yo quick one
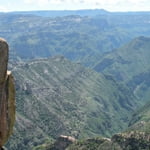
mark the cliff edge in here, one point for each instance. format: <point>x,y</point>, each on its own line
<point>7,96</point>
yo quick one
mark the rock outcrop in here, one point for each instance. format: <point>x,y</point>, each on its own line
<point>133,140</point>
<point>7,96</point>
<point>62,142</point>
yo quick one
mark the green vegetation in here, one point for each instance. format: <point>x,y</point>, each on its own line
<point>127,61</point>
<point>130,65</point>
<point>123,141</point>
<point>56,96</point>
<point>141,119</point>
<point>82,39</point>
<point>126,141</point>
<point>134,71</point>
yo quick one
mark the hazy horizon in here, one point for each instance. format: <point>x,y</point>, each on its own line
<point>108,5</point>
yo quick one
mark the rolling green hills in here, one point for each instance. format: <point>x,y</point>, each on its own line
<point>56,96</point>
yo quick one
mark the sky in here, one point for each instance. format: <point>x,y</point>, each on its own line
<point>109,5</point>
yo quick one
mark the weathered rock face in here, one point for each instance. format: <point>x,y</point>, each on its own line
<point>133,140</point>
<point>62,142</point>
<point>7,96</point>
<point>3,60</point>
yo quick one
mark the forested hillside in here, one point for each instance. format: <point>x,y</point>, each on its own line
<point>82,39</point>
<point>79,73</point>
<point>56,96</point>
<point>130,65</point>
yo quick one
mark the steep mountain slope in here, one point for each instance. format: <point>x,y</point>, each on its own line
<point>140,85</point>
<point>128,61</point>
<point>136,137</point>
<point>141,119</point>
<point>81,39</point>
<point>123,141</point>
<point>133,140</point>
<point>55,96</point>
<point>130,64</point>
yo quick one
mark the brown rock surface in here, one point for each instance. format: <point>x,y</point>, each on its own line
<point>62,142</point>
<point>7,96</point>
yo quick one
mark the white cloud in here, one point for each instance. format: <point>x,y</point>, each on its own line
<point>103,2</point>
<point>112,5</point>
<point>36,2</point>
<point>4,9</point>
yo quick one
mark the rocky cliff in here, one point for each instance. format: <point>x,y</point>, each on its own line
<point>7,96</point>
<point>133,140</point>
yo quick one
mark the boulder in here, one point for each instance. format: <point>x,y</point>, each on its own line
<point>62,142</point>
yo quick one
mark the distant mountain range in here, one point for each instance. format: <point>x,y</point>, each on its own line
<point>82,39</point>
<point>55,92</point>
<point>84,12</point>
<point>62,13</point>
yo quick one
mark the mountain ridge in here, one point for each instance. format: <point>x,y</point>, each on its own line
<point>80,39</point>
<point>130,65</point>
<point>75,100</point>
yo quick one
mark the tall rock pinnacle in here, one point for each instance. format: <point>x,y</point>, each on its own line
<point>7,96</point>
